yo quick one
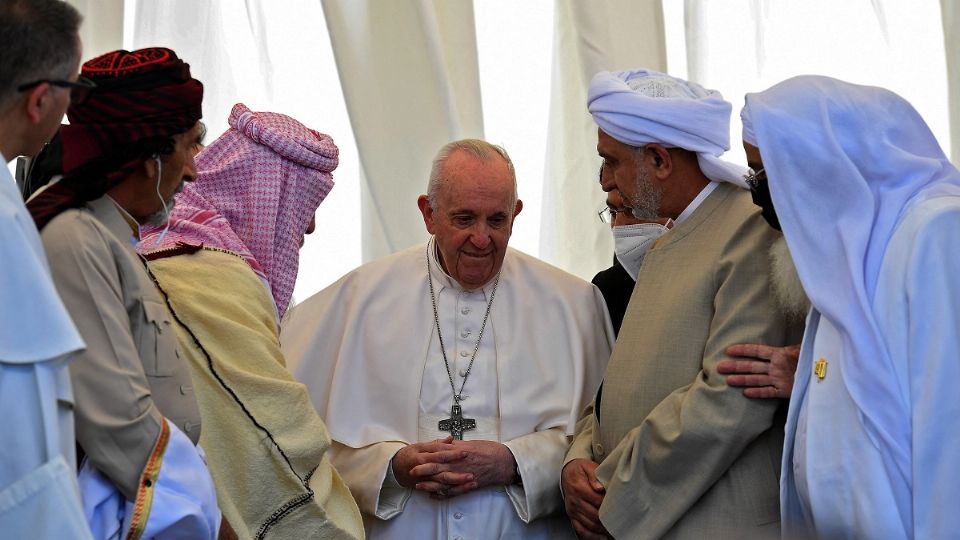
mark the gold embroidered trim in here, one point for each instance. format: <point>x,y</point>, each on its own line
<point>148,481</point>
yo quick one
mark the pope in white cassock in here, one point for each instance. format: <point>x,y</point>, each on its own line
<point>870,209</point>
<point>459,337</point>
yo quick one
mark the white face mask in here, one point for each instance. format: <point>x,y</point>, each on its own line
<point>632,241</point>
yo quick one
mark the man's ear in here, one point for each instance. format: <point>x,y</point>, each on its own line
<point>517,208</point>
<point>150,167</point>
<point>423,202</point>
<point>661,160</point>
<point>36,99</point>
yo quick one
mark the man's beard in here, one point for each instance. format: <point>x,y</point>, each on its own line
<point>787,288</point>
<point>160,217</point>
<point>645,204</point>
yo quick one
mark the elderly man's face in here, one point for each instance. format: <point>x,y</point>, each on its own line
<point>623,171</point>
<point>177,168</point>
<point>473,219</point>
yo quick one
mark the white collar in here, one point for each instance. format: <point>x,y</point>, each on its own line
<point>696,202</point>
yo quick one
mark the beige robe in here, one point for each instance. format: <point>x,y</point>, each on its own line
<point>230,312</point>
<point>681,454</point>
<point>130,376</point>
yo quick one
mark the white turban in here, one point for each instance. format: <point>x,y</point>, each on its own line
<point>640,107</point>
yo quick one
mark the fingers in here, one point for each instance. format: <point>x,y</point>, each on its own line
<point>753,350</point>
<point>588,530</point>
<point>743,366</point>
<point>450,478</point>
<point>461,489</point>
<point>763,392</point>
<point>439,490</point>
<point>750,380</point>
<point>438,445</point>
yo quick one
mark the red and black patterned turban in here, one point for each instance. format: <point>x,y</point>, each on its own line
<point>142,94</point>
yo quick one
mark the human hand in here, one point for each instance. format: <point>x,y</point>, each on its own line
<point>487,463</point>
<point>582,496</point>
<point>438,452</point>
<point>769,374</point>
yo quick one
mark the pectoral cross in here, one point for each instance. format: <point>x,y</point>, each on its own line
<point>457,424</point>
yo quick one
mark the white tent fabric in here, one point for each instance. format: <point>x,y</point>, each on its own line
<point>411,82</point>
<point>951,39</point>
<point>747,46</point>
<point>589,37</point>
<point>102,28</point>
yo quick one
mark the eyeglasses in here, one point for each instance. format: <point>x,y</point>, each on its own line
<point>608,214</point>
<point>79,89</point>
<point>753,178</point>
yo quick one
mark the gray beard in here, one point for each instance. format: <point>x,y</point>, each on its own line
<point>787,288</point>
<point>160,217</point>
<point>645,204</point>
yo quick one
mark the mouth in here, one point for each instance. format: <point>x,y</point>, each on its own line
<point>476,255</point>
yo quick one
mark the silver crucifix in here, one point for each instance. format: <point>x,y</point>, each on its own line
<point>457,424</point>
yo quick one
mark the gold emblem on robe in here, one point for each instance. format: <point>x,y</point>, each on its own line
<point>820,369</point>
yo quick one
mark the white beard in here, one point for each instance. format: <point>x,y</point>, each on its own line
<point>787,288</point>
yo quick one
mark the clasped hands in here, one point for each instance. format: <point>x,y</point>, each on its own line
<point>447,468</point>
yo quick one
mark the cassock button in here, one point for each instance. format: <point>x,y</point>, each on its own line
<point>598,449</point>
<point>465,333</point>
<point>463,373</point>
<point>464,353</point>
<point>458,515</point>
<point>465,311</point>
<point>184,389</point>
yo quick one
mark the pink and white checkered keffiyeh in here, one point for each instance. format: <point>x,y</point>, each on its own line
<point>258,185</point>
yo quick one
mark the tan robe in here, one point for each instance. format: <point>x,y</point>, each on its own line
<point>681,454</point>
<point>130,376</point>
<point>231,314</point>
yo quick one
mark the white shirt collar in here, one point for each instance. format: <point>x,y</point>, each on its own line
<point>696,202</point>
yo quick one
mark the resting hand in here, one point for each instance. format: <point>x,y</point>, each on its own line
<point>582,496</point>
<point>438,452</point>
<point>769,373</point>
<point>486,463</point>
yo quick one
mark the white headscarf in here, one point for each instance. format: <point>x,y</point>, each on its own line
<point>640,107</point>
<point>843,162</point>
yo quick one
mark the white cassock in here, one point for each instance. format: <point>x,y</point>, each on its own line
<point>832,468</point>
<point>367,349</point>
<point>39,497</point>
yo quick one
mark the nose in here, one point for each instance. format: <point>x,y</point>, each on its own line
<point>607,183</point>
<point>480,237</point>
<point>190,170</point>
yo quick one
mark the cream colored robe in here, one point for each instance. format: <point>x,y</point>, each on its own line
<point>130,376</point>
<point>681,454</point>
<point>226,308</point>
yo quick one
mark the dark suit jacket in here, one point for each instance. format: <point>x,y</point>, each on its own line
<point>616,285</point>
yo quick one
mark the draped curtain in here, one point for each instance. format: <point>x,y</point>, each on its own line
<point>410,78</point>
<point>588,37</point>
<point>749,45</point>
